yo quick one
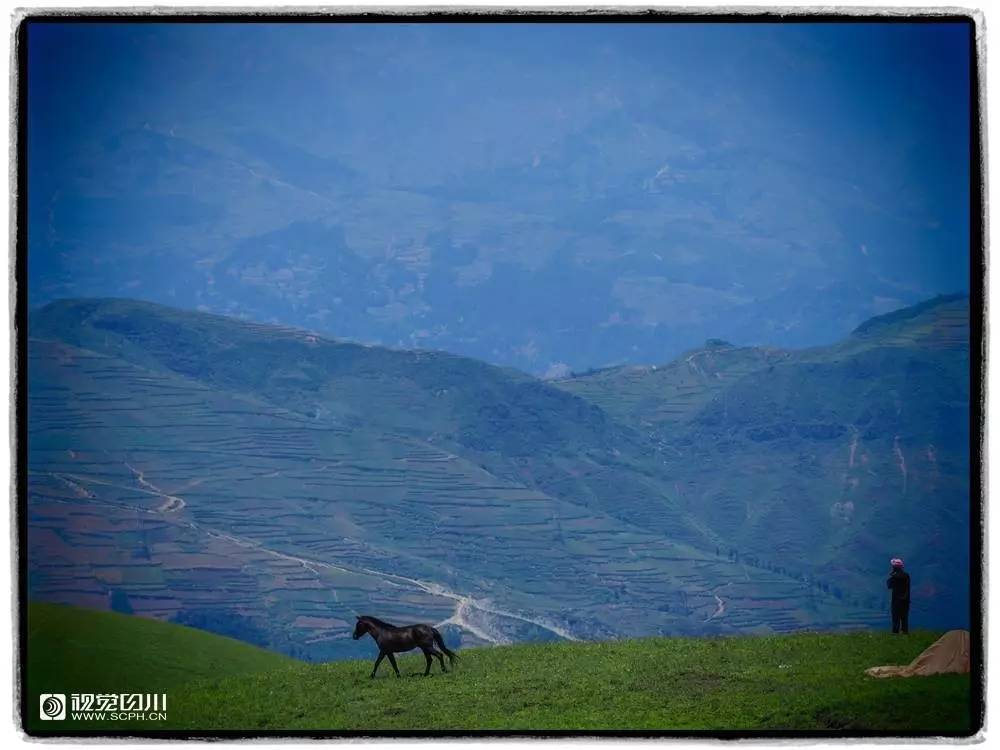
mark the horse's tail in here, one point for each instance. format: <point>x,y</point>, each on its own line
<point>440,642</point>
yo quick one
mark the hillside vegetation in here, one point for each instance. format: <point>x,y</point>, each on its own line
<point>75,650</point>
<point>806,681</point>
<point>822,462</point>
<point>737,490</point>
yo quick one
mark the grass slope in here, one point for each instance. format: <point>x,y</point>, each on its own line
<point>803,682</point>
<point>74,650</point>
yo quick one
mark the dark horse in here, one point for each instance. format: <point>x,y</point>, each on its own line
<point>392,640</point>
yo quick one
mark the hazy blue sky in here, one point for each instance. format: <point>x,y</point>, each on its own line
<point>547,196</point>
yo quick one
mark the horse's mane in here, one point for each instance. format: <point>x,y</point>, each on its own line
<point>376,621</point>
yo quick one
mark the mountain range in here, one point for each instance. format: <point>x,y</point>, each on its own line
<point>270,483</point>
<point>545,196</point>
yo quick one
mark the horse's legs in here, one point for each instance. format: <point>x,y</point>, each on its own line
<point>392,661</point>
<point>439,655</point>
<point>381,655</point>
<point>427,656</point>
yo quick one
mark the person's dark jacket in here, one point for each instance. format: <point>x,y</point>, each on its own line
<point>899,582</point>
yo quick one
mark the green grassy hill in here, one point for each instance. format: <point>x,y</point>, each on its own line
<point>771,683</point>
<point>74,650</point>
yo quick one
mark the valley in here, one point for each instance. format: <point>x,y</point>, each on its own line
<point>270,484</point>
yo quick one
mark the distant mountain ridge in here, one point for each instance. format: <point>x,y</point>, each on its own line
<point>913,311</point>
<point>177,455</point>
<point>664,189</point>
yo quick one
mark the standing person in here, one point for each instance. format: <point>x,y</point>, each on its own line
<point>899,582</point>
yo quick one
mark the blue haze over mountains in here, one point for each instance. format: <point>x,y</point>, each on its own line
<point>665,327</point>
<point>549,197</point>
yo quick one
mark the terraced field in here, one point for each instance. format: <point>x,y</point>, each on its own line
<point>215,509</point>
<point>824,462</point>
<point>270,484</point>
<point>659,397</point>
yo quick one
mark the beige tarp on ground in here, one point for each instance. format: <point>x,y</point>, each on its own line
<point>949,653</point>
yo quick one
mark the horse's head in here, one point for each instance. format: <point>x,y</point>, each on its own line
<point>360,629</point>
